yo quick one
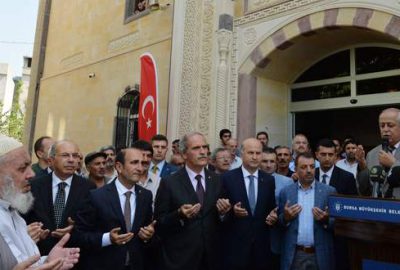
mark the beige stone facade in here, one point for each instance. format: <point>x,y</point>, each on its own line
<point>221,63</point>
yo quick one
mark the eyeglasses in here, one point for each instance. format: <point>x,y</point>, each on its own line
<point>68,155</point>
<point>223,158</point>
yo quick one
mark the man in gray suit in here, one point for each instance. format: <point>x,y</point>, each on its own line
<point>389,126</point>
<point>308,235</point>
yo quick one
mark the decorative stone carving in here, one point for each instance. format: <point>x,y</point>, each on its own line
<point>279,8</point>
<point>224,38</point>
<point>254,5</point>
<point>249,36</point>
<point>206,67</point>
<point>189,87</point>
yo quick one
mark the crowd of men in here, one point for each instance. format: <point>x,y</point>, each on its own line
<point>253,207</point>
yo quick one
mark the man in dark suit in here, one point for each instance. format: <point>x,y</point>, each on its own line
<point>246,231</point>
<point>307,242</point>
<point>159,166</point>
<point>115,225</point>
<point>186,211</point>
<point>343,181</point>
<point>58,195</point>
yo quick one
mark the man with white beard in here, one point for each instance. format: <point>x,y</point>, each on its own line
<point>17,248</point>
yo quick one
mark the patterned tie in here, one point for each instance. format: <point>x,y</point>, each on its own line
<point>252,194</point>
<point>127,217</point>
<point>59,204</point>
<point>324,176</point>
<point>127,211</point>
<point>199,189</point>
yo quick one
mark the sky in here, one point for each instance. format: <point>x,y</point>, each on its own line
<point>17,32</point>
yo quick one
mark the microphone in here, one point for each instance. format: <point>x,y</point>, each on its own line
<point>394,177</point>
<point>377,175</point>
<point>385,144</point>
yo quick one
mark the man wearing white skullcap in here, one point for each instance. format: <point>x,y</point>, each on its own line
<point>17,248</point>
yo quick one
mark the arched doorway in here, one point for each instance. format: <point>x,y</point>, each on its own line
<point>267,76</point>
<point>370,73</point>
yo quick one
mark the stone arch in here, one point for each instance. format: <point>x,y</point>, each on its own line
<point>365,20</point>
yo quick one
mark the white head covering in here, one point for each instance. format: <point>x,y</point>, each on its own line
<point>8,144</point>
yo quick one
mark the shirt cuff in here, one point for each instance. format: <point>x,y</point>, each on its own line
<point>106,241</point>
<point>42,260</point>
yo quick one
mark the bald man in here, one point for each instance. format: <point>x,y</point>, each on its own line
<point>247,231</point>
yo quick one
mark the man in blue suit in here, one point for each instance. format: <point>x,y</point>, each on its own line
<point>308,235</point>
<point>247,226</point>
<point>115,225</point>
<point>159,166</point>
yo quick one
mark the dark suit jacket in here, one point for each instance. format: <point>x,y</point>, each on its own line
<point>168,169</point>
<point>247,240</point>
<point>343,181</point>
<point>43,209</point>
<point>101,214</point>
<point>185,241</point>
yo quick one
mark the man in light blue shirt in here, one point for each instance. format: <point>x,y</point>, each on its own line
<point>308,235</point>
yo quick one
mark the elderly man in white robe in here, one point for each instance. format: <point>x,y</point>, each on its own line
<point>18,250</point>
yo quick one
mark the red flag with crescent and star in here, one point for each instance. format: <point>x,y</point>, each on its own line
<point>148,104</point>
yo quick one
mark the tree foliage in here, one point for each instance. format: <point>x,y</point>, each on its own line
<point>12,123</point>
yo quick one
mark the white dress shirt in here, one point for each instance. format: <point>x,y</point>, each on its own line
<point>121,189</point>
<point>345,165</point>
<point>56,180</point>
<point>15,233</point>
<point>328,173</point>
<point>236,163</point>
<point>193,180</point>
<point>246,178</point>
<point>152,183</point>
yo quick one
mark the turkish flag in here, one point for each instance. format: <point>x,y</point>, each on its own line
<point>148,104</point>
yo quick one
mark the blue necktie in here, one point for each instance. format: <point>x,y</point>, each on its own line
<point>252,194</point>
<point>324,176</point>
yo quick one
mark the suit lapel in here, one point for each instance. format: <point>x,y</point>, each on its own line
<point>72,198</point>
<point>317,174</point>
<point>243,192</point>
<point>187,185</point>
<point>48,197</point>
<point>334,177</point>
<point>262,189</point>
<point>294,195</point>
<point>397,154</point>
<point>210,190</point>
<point>115,203</point>
<point>317,196</point>
<point>138,209</point>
